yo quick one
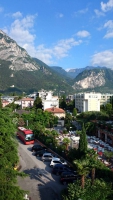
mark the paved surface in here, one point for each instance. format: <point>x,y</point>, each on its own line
<point>46,187</point>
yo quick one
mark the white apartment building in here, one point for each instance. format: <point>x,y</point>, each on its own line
<point>105,98</point>
<point>87,101</point>
<point>27,103</point>
<point>48,100</point>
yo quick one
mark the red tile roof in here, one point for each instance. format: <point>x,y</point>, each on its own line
<point>27,99</point>
<point>5,101</point>
<point>55,110</point>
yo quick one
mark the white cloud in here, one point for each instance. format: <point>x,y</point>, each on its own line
<point>83,34</point>
<point>61,49</point>
<point>17,14</point>
<point>107,6</point>
<point>109,35</point>
<point>20,30</point>
<point>109,26</point>
<point>104,58</point>
<point>83,11</point>
<point>99,13</point>
<point>59,15</point>
<point>51,54</point>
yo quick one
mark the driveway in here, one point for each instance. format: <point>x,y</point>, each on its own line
<point>46,187</point>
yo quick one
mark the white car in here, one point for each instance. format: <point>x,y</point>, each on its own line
<point>47,157</point>
<point>55,161</point>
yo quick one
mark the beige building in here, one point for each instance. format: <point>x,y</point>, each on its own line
<point>87,101</point>
<point>5,103</point>
<point>27,102</point>
<point>105,98</point>
<point>57,112</point>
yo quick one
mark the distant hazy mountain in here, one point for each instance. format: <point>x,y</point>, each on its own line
<point>71,73</point>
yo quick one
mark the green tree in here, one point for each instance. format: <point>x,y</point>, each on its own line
<point>66,142</point>
<point>0,103</point>
<point>74,112</point>
<point>90,128</point>
<point>38,103</point>
<point>93,163</point>
<point>108,155</point>
<point>100,190</point>
<point>108,108</point>
<point>111,101</point>
<point>8,158</point>
<point>83,169</point>
<point>83,142</point>
<point>62,102</point>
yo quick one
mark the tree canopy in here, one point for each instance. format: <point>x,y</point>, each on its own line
<point>8,159</point>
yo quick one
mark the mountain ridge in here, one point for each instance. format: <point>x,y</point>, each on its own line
<point>20,72</point>
<point>25,73</point>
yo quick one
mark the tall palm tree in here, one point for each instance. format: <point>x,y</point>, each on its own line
<point>66,142</point>
<point>83,169</point>
<point>93,163</point>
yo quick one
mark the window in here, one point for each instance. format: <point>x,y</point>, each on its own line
<point>29,137</point>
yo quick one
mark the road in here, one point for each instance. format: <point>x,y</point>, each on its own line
<point>47,187</point>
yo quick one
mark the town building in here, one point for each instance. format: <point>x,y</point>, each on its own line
<point>5,103</point>
<point>60,113</point>
<point>105,98</point>
<point>48,100</point>
<point>70,98</point>
<point>10,99</point>
<point>87,101</point>
<point>27,102</point>
<point>105,132</point>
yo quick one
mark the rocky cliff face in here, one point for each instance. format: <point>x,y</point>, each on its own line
<point>93,80</point>
<point>19,58</point>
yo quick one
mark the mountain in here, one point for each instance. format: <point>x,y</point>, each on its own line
<point>60,71</point>
<point>97,79</point>
<point>20,72</point>
<point>72,73</point>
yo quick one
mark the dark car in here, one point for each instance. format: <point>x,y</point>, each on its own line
<point>41,152</point>
<point>37,147</point>
<point>59,168</point>
<point>69,177</point>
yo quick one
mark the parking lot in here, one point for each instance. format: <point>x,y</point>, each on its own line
<point>43,187</point>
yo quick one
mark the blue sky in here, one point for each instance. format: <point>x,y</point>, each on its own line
<point>65,33</point>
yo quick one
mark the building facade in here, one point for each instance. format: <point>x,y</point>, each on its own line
<point>87,101</point>
<point>48,100</point>
<point>5,103</point>
<point>105,98</point>
<point>105,134</point>
<point>27,102</point>
<point>58,112</point>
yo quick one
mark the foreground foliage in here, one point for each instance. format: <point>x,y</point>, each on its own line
<point>8,159</point>
<point>100,190</point>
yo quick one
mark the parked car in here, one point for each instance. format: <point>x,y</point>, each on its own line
<point>59,168</point>
<point>55,161</point>
<point>41,152</point>
<point>69,177</point>
<point>47,157</point>
<point>37,147</point>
